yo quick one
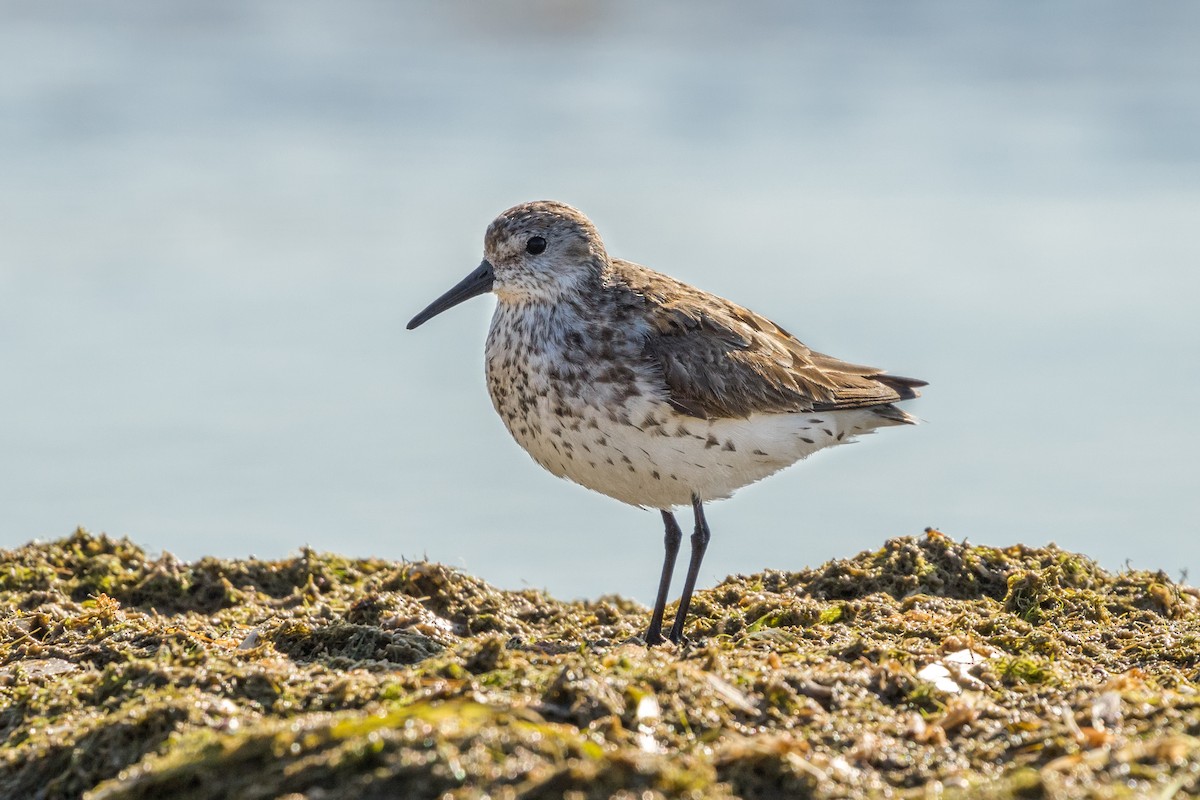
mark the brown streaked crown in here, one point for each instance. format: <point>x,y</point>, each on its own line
<point>541,217</point>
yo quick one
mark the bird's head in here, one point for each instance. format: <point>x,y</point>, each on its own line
<point>534,252</point>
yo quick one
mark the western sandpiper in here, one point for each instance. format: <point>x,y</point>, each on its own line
<point>649,390</point>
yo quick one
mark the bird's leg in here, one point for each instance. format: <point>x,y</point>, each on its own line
<point>700,537</point>
<point>671,544</point>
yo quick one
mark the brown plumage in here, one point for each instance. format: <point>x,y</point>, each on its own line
<point>719,359</point>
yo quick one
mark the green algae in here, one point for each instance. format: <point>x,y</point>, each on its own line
<point>124,676</point>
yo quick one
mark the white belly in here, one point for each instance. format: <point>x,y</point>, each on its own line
<point>662,465</point>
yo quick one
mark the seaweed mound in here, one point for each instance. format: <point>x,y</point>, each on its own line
<point>929,665</point>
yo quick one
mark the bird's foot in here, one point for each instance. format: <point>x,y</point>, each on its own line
<point>653,638</point>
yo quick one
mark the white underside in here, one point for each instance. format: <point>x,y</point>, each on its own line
<point>708,458</point>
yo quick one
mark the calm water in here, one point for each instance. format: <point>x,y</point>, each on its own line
<point>216,217</point>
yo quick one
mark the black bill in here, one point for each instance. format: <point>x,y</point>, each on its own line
<point>476,283</point>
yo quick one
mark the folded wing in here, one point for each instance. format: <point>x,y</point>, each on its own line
<point>721,360</point>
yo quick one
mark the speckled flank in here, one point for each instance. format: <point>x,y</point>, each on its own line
<point>646,389</point>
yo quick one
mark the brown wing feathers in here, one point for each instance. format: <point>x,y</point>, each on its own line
<point>721,360</point>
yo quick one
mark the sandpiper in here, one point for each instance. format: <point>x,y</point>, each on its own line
<point>649,390</point>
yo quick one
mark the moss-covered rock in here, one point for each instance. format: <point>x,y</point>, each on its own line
<point>928,665</point>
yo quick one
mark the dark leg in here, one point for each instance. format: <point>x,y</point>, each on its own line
<point>671,544</point>
<point>700,537</point>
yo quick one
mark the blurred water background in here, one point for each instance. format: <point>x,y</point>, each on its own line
<point>216,217</point>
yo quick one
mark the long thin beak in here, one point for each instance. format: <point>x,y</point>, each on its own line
<point>476,283</point>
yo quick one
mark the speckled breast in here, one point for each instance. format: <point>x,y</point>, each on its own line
<point>599,417</point>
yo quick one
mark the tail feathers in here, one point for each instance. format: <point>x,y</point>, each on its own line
<point>905,387</point>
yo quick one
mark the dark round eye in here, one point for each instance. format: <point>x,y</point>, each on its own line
<point>535,245</point>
